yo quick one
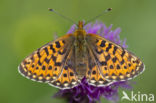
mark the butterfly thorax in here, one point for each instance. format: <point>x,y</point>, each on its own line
<point>80,50</point>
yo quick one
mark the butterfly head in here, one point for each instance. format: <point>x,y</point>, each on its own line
<point>80,32</point>
<point>80,25</point>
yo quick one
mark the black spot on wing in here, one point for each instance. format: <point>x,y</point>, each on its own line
<point>38,54</point>
<point>63,42</point>
<point>94,72</point>
<point>66,67</point>
<point>115,48</point>
<point>52,48</point>
<point>109,47</point>
<point>122,62</point>
<point>111,67</point>
<point>53,58</point>
<point>103,43</point>
<point>37,68</point>
<point>114,59</point>
<point>125,67</point>
<point>64,75</point>
<point>50,67</point>
<point>57,64</point>
<point>118,66</point>
<point>71,74</point>
<point>61,53</point>
<point>107,57</point>
<point>103,63</point>
<point>32,65</point>
<point>123,53</point>
<point>39,63</point>
<point>99,51</point>
<point>47,60</point>
<point>46,50</point>
<point>55,69</point>
<point>58,44</point>
<point>43,67</point>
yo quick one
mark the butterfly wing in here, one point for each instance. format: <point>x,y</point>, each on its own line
<point>93,74</point>
<point>68,77</point>
<point>48,62</point>
<point>114,62</point>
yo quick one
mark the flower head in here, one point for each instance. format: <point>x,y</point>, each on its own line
<point>101,29</point>
<point>86,93</point>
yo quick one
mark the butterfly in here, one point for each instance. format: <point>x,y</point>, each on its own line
<point>65,61</point>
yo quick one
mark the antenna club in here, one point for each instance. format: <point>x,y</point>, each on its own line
<point>50,9</point>
<point>109,9</point>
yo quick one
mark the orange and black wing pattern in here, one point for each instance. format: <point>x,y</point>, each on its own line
<point>48,63</point>
<point>68,78</point>
<point>113,62</point>
<point>93,75</point>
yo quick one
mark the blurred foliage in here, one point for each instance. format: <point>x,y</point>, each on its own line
<point>27,25</point>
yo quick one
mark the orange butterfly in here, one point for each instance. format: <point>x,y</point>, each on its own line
<point>65,61</point>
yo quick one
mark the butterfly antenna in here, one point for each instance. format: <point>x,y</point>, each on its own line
<point>67,18</point>
<point>104,12</point>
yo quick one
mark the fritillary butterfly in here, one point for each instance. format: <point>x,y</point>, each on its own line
<point>65,61</point>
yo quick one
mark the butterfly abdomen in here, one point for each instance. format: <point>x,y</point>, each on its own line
<point>80,60</point>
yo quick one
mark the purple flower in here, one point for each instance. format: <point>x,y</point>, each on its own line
<point>85,93</point>
<point>100,29</point>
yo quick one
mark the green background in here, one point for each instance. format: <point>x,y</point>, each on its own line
<point>26,25</point>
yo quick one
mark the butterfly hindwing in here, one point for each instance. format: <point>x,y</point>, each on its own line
<point>93,74</point>
<point>114,62</point>
<point>46,63</point>
<point>68,77</point>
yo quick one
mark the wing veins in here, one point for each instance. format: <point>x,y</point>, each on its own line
<point>63,65</point>
<point>97,64</point>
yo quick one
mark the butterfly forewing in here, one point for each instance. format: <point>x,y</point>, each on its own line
<point>114,62</point>
<point>48,62</point>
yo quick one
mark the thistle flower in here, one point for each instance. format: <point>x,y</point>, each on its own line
<point>85,93</point>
